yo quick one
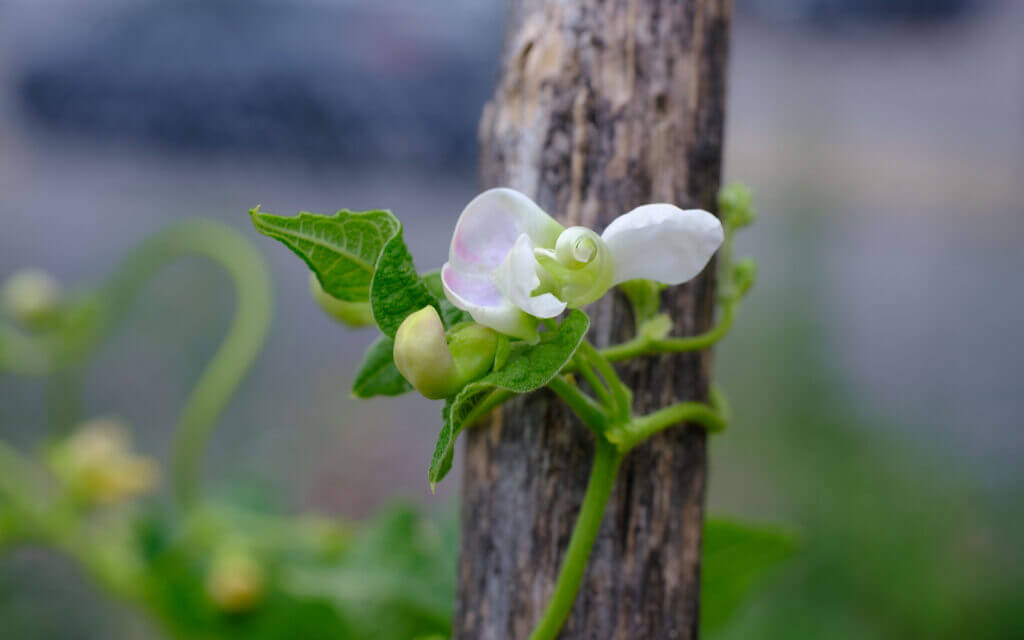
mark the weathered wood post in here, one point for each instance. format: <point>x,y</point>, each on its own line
<point>602,105</point>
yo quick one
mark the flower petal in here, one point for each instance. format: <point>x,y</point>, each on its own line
<point>477,294</point>
<point>662,242</point>
<point>517,278</point>
<point>467,290</point>
<point>490,225</point>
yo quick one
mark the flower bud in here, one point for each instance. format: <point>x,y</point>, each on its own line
<point>656,327</point>
<point>736,205</point>
<point>439,364</point>
<point>235,582</point>
<point>98,467</point>
<point>744,273</point>
<point>31,297</point>
<point>353,314</point>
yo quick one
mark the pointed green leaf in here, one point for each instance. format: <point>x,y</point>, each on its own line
<point>736,557</point>
<point>396,289</point>
<point>343,249</point>
<point>527,368</point>
<point>377,375</point>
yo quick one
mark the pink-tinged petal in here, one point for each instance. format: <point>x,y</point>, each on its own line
<point>490,224</point>
<point>477,294</point>
<point>662,242</point>
<point>467,290</point>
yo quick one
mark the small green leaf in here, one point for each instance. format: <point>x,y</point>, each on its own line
<point>343,249</point>
<point>450,314</point>
<point>736,557</point>
<point>377,375</point>
<point>527,368</point>
<point>396,290</point>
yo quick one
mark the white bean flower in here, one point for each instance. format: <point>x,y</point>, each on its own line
<point>511,263</point>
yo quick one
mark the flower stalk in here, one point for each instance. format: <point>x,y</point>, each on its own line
<point>603,472</point>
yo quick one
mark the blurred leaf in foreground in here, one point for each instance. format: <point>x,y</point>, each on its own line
<point>736,558</point>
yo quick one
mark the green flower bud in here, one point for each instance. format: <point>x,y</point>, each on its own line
<point>235,582</point>
<point>32,297</point>
<point>439,364</point>
<point>579,270</point>
<point>744,273</point>
<point>353,314</point>
<point>736,205</point>
<point>657,327</point>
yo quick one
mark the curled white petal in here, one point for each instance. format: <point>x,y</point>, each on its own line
<point>517,278</point>
<point>662,242</point>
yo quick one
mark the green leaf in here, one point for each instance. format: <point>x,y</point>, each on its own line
<point>450,314</point>
<point>357,257</point>
<point>343,249</point>
<point>736,558</point>
<point>377,375</point>
<point>396,290</point>
<point>527,368</point>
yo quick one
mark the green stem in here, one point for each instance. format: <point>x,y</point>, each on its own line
<point>622,401</point>
<point>640,429</point>
<point>643,346</point>
<point>582,405</point>
<point>587,371</point>
<point>241,345</point>
<point>599,488</point>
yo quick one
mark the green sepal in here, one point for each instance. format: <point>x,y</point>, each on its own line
<point>502,351</point>
<point>527,368</point>
<point>377,374</point>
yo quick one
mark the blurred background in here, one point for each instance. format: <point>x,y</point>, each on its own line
<point>876,370</point>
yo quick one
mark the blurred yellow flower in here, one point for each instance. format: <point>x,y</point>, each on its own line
<point>98,465</point>
<point>235,582</point>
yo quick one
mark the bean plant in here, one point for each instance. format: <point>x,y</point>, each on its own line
<point>504,316</point>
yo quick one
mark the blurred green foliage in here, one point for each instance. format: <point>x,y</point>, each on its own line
<point>392,578</point>
<point>898,541</point>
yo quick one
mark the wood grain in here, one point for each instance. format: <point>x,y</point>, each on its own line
<point>602,105</point>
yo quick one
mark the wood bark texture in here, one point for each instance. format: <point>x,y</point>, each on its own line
<point>601,106</point>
